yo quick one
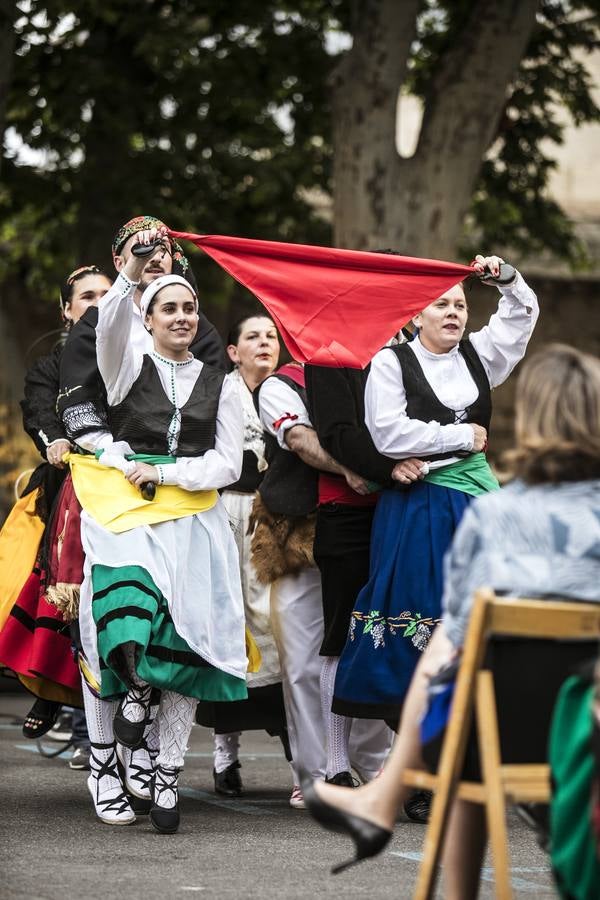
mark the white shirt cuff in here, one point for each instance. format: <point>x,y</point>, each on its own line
<point>518,290</point>
<point>124,285</point>
<point>288,423</point>
<point>462,437</point>
<point>167,473</point>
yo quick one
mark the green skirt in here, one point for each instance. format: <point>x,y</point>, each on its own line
<point>128,608</point>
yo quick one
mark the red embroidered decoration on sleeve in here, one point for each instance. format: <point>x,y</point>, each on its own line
<point>286,417</point>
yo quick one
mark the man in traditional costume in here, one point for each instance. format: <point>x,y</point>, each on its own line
<point>283,553</point>
<point>342,536</point>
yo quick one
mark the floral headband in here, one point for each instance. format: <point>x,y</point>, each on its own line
<point>144,223</point>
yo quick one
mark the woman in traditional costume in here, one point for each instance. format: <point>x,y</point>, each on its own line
<point>122,775</point>
<point>161,602</point>
<point>253,347</point>
<point>38,545</point>
<point>427,405</point>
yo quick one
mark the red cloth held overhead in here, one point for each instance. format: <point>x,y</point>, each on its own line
<point>332,307</point>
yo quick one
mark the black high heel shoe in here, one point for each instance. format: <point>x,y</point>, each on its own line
<point>369,839</point>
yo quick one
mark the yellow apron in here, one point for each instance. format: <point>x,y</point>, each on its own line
<point>116,504</point>
<point>19,544</point>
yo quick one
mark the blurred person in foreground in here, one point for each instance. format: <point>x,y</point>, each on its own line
<point>537,537</point>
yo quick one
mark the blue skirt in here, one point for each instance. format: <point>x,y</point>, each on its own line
<point>397,610</point>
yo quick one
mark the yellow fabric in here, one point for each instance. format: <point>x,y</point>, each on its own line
<point>89,676</point>
<point>19,544</point>
<point>252,652</point>
<point>116,504</point>
<point>51,690</point>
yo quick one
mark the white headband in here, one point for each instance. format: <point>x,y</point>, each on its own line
<point>157,285</point>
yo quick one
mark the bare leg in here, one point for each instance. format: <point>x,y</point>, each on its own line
<point>463,851</point>
<point>379,800</point>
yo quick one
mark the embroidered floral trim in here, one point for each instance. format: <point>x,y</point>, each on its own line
<point>407,624</point>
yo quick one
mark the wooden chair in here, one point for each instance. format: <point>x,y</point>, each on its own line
<point>475,689</point>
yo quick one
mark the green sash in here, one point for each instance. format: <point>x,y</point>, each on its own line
<point>149,458</point>
<point>471,475</point>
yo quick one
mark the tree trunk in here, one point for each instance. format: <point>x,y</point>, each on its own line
<point>418,205</point>
<point>365,92</point>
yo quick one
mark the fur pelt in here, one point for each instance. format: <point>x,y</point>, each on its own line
<point>281,545</point>
<point>65,597</point>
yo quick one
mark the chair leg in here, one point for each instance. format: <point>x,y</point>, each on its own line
<point>453,752</point>
<point>489,751</point>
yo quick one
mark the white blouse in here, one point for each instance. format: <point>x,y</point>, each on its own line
<point>120,352</point>
<point>500,345</point>
<point>281,408</point>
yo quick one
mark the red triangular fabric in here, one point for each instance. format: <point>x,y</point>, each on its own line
<point>332,307</point>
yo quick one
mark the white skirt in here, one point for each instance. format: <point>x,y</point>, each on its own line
<point>257,596</point>
<point>194,563</point>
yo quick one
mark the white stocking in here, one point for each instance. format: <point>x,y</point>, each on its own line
<point>226,750</point>
<point>152,735</point>
<point>99,716</point>
<point>175,719</point>
<point>135,707</point>
<point>337,728</point>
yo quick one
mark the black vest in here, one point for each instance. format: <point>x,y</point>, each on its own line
<point>250,478</point>
<point>143,417</point>
<point>423,404</point>
<point>290,487</point>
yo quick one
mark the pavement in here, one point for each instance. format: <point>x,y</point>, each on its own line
<point>53,847</point>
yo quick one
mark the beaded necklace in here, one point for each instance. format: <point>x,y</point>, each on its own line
<point>175,423</point>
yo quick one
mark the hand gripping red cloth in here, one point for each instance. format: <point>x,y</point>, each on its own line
<point>332,307</point>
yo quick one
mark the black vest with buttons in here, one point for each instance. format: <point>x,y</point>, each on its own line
<point>143,417</point>
<point>290,486</point>
<point>422,403</point>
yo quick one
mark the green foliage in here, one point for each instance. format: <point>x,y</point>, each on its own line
<point>210,115</point>
<point>511,206</point>
<point>215,116</point>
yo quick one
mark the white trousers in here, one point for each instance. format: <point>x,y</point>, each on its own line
<point>297,621</point>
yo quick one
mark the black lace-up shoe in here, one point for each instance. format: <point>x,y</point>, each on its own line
<point>228,783</point>
<point>342,779</point>
<point>418,806</point>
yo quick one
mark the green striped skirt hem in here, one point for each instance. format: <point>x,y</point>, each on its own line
<point>127,608</point>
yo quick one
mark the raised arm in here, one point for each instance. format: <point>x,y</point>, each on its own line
<point>502,343</point>
<point>118,363</point>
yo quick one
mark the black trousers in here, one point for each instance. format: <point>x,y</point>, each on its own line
<point>341,551</point>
